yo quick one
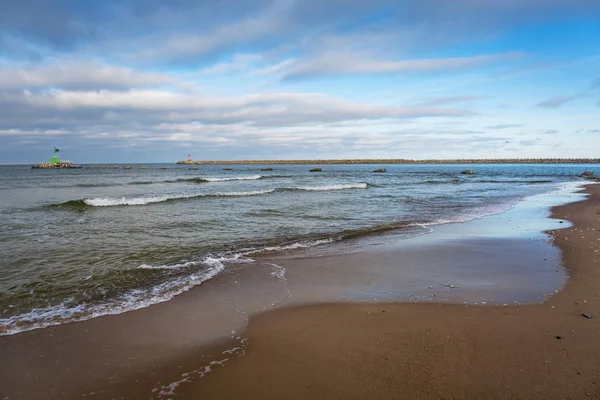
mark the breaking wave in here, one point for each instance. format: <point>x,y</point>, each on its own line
<point>150,199</point>
<point>131,300</point>
<point>233,178</point>
<point>362,185</point>
<point>144,200</point>
<point>187,275</point>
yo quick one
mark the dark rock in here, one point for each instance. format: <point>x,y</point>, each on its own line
<point>588,316</point>
<point>468,172</point>
<point>267,169</point>
<point>316,170</point>
<point>227,169</point>
<point>558,337</point>
<point>587,174</point>
<point>380,170</point>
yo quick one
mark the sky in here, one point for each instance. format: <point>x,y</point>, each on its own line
<point>153,81</point>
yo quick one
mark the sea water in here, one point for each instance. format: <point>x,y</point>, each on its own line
<point>77,244</point>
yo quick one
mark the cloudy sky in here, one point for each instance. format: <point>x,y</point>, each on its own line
<point>151,80</point>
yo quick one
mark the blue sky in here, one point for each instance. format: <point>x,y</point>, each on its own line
<point>149,80</point>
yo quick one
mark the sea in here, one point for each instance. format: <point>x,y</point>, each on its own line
<point>76,244</point>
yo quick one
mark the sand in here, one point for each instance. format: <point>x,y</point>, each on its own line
<point>354,350</point>
<point>429,351</point>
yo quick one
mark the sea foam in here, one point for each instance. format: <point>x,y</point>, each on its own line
<point>362,185</point>
<point>140,201</point>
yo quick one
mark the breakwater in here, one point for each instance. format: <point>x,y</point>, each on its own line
<point>403,161</point>
<point>60,165</point>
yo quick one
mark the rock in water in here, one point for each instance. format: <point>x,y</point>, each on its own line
<point>468,172</point>
<point>316,170</point>
<point>587,174</point>
<point>380,170</point>
<point>227,169</point>
<point>267,169</point>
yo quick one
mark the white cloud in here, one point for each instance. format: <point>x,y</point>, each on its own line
<point>267,109</point>
<point>354,63</point>
<point>69,74</point>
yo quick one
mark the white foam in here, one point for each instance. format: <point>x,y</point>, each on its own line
<point>175,266</point>
<point>168,391</point>
<point>362,185</point>
<point>140,201</point>
<point>140,298</point>
<point>292,246</point>
<point>235,178</point>
<point>132,300</point>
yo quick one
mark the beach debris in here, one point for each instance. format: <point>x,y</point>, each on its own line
<point>451,286</point>
<point>380,170</point>
<point>430,287</point>
<point>558,337</point>
<point>316,170</point>
<point>585,315</point>
<point>468,172</point>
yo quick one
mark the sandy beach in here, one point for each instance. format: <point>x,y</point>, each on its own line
<point>389,350</point>
<point>429,351</point>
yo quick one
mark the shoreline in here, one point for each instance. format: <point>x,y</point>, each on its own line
<point>153,358</point>
<point>423,351</point>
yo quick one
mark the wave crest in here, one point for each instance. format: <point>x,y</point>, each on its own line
<point>362,185</point>
<point>225,179</point>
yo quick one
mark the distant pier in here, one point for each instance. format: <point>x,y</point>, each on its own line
<point>402,161</point>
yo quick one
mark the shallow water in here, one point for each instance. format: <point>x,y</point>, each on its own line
<point>82,243</point>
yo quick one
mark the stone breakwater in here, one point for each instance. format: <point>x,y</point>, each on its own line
<point>402,161</point>
<point>64,164</point>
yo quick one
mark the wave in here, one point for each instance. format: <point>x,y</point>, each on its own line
<point>187,275</point>
<point>233,178</point>
<point>144,200</point>
<point>467,180</point>
<point>515,181</point>
<point>362,185</point>
<point>131,300</point>
<point>91,185</point>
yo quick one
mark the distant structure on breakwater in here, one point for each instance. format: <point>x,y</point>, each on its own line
<point>402,161</point>
<point>56,162</point>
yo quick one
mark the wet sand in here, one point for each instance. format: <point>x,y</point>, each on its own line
<point>353,350</point>
<point>430,351</point>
